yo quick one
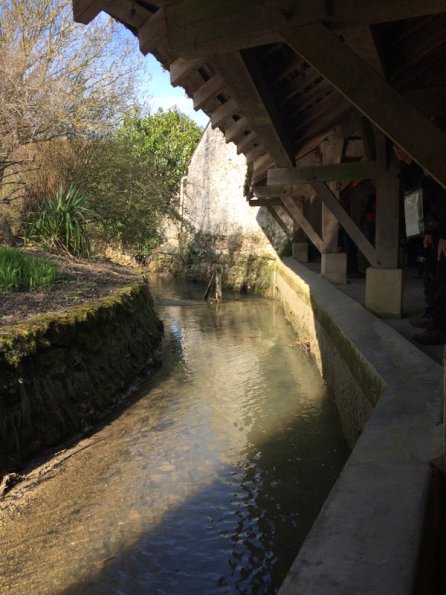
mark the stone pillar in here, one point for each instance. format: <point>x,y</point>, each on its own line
<point>383,292</point>
<point>334,267</point>
<point>300,251</point>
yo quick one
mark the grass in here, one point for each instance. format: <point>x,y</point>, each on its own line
<point>23,271</point>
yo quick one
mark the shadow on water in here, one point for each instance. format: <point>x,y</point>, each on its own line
<point>209,545</point>
<point>207,484</point>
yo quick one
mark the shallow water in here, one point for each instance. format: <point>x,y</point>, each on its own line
<point>207,484</point>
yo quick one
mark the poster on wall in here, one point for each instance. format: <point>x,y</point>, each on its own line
<point>413,212</point>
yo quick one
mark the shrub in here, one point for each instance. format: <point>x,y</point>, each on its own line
<point>23,271</point>
<point>60,222</point>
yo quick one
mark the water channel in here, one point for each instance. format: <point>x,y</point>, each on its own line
<point>207,484</point>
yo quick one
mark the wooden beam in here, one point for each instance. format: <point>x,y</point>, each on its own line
<point>328,198</point>
<point>202,28</point>
<point>217,26</point>
<point>152,32</point>
<point>261,165</point>
<point>269,191</point>
<point>223,112</point>
<point>368,138</point>
<point>331,151</point>
<point>236,130</point>
<point>361,170</point>
<point>387,204</point>
<point>240,86</point>
<point>373,96</point>
<point>264,92</point>
<point>210,88</point>
<point>297,213</point>
<point>181,68</point>
<point>431,100</point>
<point>265,202</point>
<point>84,11</point>
<point>275,215</point>
<point>255,153</point>
<point>246,142</point>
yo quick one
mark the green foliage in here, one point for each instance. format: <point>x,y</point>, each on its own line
<point>167,140</point>
<point>130,179</point>
<point>60,223</point>
<point>125,198</point>
<point>134,182</point>
<point>23,271</point>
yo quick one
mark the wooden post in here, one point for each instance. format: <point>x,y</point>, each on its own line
<point>209,287</point>
<point>387,204</point>
<point>218,292</point>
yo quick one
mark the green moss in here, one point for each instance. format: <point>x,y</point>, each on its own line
<point>59,373</point>
<point>364,374</point>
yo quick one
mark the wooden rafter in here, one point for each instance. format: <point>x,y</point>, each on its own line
<point>360,170</point>
<point>263,91</point>
<point>207,91</point>
<point>238,82</point>
<point>275,215</point>
<point>181,68</point>
<point>200,28</point>
<point>373,96</point>
<point>235,131</point>
<point>332,203</point>
<point>85,11</point>
<point>152,32</point>
<point>297,214</point>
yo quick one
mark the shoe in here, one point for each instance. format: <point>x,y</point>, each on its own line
<point>422,322</point>
<point>431,338</point>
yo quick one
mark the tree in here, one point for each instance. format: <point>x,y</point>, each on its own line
<point>168,140</point>
<point>136,178</point>
<point>58,79</point>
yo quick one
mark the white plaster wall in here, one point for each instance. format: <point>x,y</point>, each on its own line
<point>213,200</point>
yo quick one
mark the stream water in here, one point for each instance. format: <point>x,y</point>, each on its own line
<point>207,484</point>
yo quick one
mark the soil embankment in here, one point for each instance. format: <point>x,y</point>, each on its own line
<point>68,356</point>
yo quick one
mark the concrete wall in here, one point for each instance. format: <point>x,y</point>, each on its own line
<point>368,534</point>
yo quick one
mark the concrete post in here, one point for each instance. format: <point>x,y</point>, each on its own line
<point>334,267</point>
<point>300,251</point>
<point>383,292</point>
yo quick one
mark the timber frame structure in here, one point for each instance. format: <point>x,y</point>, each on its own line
<point>280,76</point>
<point>314,93</point>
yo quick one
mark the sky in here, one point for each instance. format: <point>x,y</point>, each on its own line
<point>159,93</point>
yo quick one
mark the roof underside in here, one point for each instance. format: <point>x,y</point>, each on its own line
<point>260,91</point>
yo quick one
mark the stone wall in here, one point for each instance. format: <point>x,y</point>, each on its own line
<point>61,373</point>
<point>214,200</point>
<point>220,228</point>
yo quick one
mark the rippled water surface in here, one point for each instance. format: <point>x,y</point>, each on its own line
<point>207,484</point>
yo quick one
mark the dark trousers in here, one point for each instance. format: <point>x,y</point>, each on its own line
<point>434,281</point>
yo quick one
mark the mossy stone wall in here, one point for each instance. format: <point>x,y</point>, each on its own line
<point>237,259</point>
<point>60,373</point>
<point>353,383</point>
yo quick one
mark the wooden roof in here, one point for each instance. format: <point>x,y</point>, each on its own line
<point>277,75</point>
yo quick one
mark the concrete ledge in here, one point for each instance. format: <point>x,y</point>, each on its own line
<point>367,536</point>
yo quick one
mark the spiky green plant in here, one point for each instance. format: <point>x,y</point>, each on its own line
<point>23,271</point>
<point>60,223</point>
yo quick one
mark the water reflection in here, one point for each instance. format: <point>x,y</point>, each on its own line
<point>208,484</point>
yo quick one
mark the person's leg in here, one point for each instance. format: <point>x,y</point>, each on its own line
<point>430,281</point>
<point>436,331</point>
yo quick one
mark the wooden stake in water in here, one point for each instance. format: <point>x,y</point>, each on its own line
<point>216,282</point>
